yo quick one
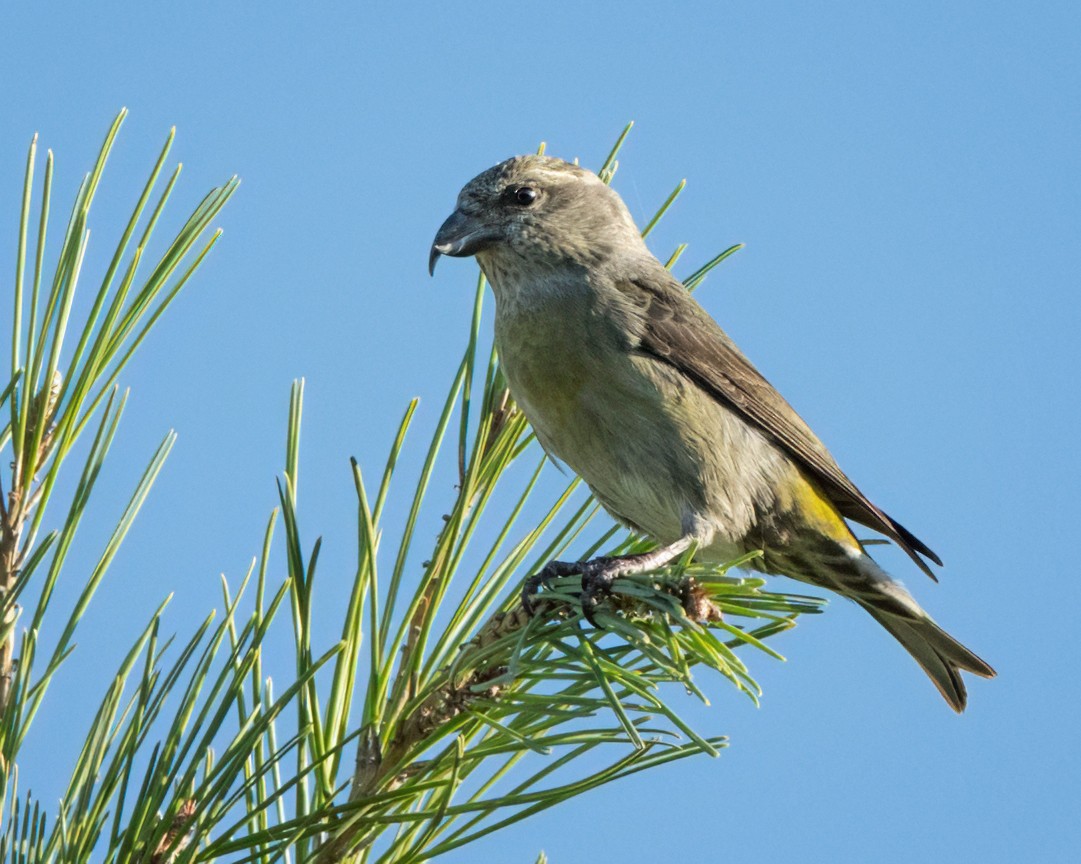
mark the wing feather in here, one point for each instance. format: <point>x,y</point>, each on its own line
<point>679,332</point>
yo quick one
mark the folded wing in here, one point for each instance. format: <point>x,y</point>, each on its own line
<point>679,332</point>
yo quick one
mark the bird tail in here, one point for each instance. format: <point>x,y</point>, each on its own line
<point>854,574</point>
<point>940,655</point>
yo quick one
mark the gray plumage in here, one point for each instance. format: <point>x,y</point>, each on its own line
<point>630,383</point>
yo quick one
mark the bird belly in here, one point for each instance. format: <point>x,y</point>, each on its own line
<point>660,454</point>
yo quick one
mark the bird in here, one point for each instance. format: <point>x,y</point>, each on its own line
<point>629,382</point>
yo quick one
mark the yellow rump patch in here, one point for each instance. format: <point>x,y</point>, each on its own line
<point>815,510</point>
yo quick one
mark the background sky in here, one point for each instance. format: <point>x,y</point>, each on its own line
<point>905,177</point>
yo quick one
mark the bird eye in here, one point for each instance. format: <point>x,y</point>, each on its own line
<point>525,195</point>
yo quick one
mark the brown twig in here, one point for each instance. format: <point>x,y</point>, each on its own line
<point>164,852</point>
<point>11,527</point>
<point>481,662</point>
<point>475,677</point>
<point>460,686</point>
<point>21,500</point>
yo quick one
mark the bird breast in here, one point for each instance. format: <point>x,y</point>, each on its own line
<point>642,436</point>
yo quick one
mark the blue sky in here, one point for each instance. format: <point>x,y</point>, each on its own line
<point>905,177</point>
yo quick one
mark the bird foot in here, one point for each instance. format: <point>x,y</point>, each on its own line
<point>552,570</point>
<point>598,576</point>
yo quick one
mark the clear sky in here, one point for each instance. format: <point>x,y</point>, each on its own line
<point>905,177</point>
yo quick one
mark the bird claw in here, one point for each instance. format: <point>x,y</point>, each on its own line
<point>552,570</point>
<point>598,576</point>
<point>530,590</point>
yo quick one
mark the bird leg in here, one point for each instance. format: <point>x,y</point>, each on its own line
<point>599,574</point>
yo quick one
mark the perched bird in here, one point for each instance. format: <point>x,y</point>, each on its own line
<point>628,381</point>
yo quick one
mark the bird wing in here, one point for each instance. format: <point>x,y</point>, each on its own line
<point>679,332</point>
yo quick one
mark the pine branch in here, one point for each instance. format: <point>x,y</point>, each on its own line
<point>466,713</point>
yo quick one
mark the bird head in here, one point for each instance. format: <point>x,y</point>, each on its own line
<point>535,210</point>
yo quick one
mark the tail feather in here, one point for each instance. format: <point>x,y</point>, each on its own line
<point>854,574</point>
<point>940,655</point>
